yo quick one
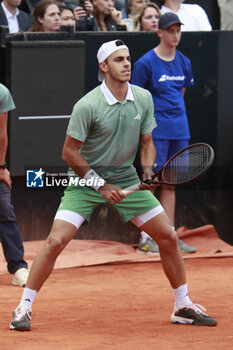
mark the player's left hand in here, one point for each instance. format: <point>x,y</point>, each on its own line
<point>147,175</point>
<point>112,193</point>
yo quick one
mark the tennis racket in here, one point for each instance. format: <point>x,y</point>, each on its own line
<point>185,166</point>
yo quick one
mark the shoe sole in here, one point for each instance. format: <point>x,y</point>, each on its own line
<point>145,252</point>
<point>12,328</point>
<point>18,284</point>
<point>185,251</point>
<point>189,321</point>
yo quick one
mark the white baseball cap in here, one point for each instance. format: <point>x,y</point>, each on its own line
<point>106,50</point>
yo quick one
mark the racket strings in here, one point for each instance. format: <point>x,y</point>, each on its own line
<point>187,165</point>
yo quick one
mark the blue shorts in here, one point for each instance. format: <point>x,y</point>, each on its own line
<point>166,149</point>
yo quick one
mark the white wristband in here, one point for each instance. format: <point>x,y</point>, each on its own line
<point>93,179</point>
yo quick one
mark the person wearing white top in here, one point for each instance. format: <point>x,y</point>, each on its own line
<point>132,7</point>
<point>192,16</point>
<point>14,18</point>
<point>11,18</point>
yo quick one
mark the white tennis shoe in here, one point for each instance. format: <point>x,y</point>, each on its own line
<point>192,314</point>
<point>20,277</point>
<point>21,319</point>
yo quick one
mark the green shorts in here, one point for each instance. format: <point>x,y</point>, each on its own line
<point>84,200</point>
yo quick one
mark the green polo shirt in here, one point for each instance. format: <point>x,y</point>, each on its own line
<point>110,131</point>
<point>6,101</point>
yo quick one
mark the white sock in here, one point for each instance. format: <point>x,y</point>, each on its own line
<point>144,236</point>
<point>28,298</point>
<point>181,296</point>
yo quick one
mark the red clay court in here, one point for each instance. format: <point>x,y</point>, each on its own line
<point>105,295</point>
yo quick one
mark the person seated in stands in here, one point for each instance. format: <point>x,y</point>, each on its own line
<point>108,18</point>
<point>132,7</point>
<point>147,19</point>
<point>14,18</point>
<point>85,20</point>
<point>46,17</point>
<point>192,16</point>
<point>67,18</point>
<point>82,12</point>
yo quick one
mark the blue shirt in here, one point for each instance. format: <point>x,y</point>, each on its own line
<point>165,81</point>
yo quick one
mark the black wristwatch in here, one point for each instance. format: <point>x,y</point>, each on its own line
<point>3,166</point>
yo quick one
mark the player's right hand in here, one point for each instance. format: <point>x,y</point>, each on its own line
<point>112,193</point>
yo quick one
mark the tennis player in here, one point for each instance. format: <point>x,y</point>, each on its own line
<point>102,140</point>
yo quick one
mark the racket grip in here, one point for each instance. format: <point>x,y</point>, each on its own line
<point>131,189</point>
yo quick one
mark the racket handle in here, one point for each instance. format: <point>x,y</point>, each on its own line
<point>131,189</point>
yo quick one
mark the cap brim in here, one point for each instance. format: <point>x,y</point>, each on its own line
<point>169,24</point>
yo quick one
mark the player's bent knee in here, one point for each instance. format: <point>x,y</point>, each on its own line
<point>168,240</point>
<point>54,246</point>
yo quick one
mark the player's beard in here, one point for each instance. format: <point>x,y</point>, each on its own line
<point>119,77</point>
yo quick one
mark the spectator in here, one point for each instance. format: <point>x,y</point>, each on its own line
<point>82,12</point>
<point>166,73</point>
<point>46,17</point>
<point>132,7</point>
<point>85,20</point>
<point>67,18</point>
<point>13,17</point>
<point>192,16</point>
<point>147,19</point>
<point>107,17</point>
<point>9,229</point>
